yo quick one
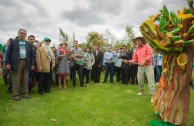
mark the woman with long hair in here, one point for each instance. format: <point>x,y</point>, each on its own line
<point>90,60</point>
<point>63,67</point>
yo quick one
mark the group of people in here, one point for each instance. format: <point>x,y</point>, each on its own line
<point>27,61</point>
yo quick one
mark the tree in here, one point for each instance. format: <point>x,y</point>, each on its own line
<point>83,46</point>
<point>119,44</point>
<point>129,33</point>
<point>129,36</point>
<point>95,38</point>
<point>109,37</point>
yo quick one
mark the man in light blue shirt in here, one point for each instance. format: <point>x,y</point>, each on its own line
<point>110,58</point>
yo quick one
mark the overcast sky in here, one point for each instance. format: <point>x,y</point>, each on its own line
<point>44,17</point>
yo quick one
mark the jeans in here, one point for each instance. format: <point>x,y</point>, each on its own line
<point>158,72</point>
<point>109,70</point>
<point>77,68</point>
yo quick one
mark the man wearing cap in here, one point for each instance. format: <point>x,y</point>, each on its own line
<point>45,63</point>
<point>19,60</point>
<point>143,56</point>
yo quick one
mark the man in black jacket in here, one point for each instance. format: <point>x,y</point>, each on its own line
<point>126,56</point>
<point>97,67</point>
<point>20,61</point>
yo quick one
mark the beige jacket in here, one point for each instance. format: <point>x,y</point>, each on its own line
<point>43,61</point>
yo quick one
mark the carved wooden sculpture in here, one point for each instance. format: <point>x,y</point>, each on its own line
<point>172,35</point>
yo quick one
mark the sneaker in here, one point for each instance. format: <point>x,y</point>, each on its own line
<point>140,93</point>
<point>157,84</point>
<point>152,98</point>
<point>87,85</point>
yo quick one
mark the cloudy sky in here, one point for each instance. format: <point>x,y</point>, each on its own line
<point>44,17</point>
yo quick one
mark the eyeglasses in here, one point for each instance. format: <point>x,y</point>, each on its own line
<point>32,39</point>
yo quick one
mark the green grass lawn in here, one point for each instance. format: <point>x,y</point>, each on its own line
<point>96,105</point>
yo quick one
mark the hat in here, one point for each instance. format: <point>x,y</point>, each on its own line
<point>46,39</point>
<point>141,38</point>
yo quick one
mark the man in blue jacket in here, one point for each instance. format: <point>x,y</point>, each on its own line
<point>19,60</point>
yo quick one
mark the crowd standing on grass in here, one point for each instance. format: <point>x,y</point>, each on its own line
<point>27,62</point>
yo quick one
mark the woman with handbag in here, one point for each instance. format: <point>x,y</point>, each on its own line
<point>89,62</point>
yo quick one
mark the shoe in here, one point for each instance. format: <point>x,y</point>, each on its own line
<point>47,91</point>
<point>17,98</point>
<point>27,97</point>
<point>9,91</point>
<point>157,84</point>
<point>87,85</point>
<point>152,98</point>
<point>59,87</point>
<point>41,93</point>
<point>104,82</point>
<point>140,93</point>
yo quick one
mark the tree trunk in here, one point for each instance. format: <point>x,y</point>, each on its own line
<point>172,100</point>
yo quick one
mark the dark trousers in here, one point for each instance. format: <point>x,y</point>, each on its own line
<point>133,73</point>
<point>6,74</point>
<point>44,83</point>
<point>109,70</point>
<point>71,73</point>
<point>77,68</point>
<point>31,80</point>
<point>118,73</point>
<point>87,74</point>
<point>7,78</point>
<point>158,72</point>
<point>125,76</point>
<point>96,71</point>
<point>9,89</point>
